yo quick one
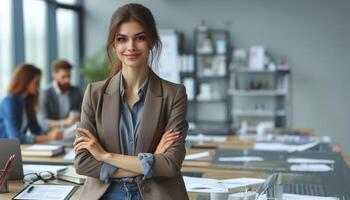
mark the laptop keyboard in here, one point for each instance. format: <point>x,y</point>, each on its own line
<point>304,189</point>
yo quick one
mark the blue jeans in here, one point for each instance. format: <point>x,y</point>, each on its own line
<point>122,190</point>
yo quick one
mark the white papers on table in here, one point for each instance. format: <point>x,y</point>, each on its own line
<point>70,155</point>
<point>307,146</point>
<point>39,168</point>
<point>287,196</point>
<point>52,192</point>
<point>291,139</point>
<point>241,159</point>
<point>206,138</point>
<point>271,147</point>
<point>241,182</point>
<point>194,184</point>
<point>311,168</point>
<point>197,156</point>
<point>264,146</point>
<point>309,161</point>
<point>207,185</point>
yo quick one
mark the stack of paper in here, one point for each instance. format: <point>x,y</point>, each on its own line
<point>194,184</point>
<point>207,185</point>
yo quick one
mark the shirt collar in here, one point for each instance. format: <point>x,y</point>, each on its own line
<point>142,89</point>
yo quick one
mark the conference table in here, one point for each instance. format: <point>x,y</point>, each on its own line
<point>205,167</point>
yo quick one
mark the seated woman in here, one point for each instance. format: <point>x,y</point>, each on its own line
<point>18,109</point>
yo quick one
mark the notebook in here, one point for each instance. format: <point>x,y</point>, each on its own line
<point>43,150</point>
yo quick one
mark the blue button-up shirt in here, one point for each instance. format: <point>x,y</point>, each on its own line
<point>130,120</point>
<point>14,121</point>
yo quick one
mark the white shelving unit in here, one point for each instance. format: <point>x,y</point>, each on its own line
<point>211,59</point>
<point>268,102</point>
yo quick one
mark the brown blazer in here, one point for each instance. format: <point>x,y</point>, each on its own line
<point>165,108</point>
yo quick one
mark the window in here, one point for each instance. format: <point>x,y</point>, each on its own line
<point>44,30</point>
<point>35,36</point>
<point>67,40</point>
<point>6,56</point>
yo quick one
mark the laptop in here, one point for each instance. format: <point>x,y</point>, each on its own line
<point>307,184</point>
<point>312,189</point>
<point>8,147</point>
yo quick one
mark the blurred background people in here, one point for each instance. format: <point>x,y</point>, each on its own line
<point>19,108</point>
<point>60,103</point>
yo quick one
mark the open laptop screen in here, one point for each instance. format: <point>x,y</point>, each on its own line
<point>8,147</point>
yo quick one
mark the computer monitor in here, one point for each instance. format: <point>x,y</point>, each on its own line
<point>8,147</point>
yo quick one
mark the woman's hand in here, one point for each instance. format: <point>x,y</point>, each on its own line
<point>89,142</point>
<point>167,140</point>
<point>55,134</point>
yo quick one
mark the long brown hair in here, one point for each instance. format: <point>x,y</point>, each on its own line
<point>21,78</point>
<point>142,15</point>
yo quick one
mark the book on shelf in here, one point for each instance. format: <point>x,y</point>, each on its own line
<point>43,150</point>
<point>70,175</point>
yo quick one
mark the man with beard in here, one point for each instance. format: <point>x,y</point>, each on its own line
<point>60,103</point>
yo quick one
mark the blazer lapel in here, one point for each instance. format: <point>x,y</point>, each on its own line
<point>151,113</point>
<point>111,114</point>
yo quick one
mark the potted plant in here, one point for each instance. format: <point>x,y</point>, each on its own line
<point>94,68</point>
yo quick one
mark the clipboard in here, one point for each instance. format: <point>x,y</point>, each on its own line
<point>48,187</point>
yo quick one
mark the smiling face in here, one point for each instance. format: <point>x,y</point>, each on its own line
<point>132,45</point>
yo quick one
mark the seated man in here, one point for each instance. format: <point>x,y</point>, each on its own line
<point>60,103</point>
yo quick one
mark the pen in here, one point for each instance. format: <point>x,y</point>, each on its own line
<point>7,168</point>
<point>30,189</point>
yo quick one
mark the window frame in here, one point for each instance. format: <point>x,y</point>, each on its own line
<point>51,30</point>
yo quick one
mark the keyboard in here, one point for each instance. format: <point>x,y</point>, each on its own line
<point>304,189</point>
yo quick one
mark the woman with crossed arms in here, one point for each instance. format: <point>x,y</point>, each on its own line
<point>131,139</point>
